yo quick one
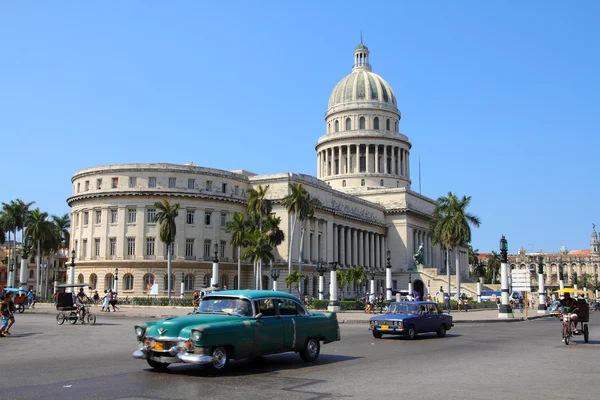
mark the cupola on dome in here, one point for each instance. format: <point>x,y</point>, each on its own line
<point>362,88</point>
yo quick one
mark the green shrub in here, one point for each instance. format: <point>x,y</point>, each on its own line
<point>347,305</point>
<point>161,301</point>
<point>318,304</point>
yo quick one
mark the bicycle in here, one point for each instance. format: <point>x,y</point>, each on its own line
<point>567,328</point>
<point>72,316</point>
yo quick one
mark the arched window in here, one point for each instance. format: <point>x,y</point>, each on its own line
<point>348,124</point>
<point>109,281</point>
<point>362,182</point>
<point>344,183</point>
<point>80,278</point>
<point>361,123</point>
<point>381,182</point>
<point>376,123</point>
<point>167,283</point>
<point>235,283</point>
<point>337,126</point>
<point>128,282</point>
<point>189,283</point>
<point>329,127</point>
<point>265,282</point>
<point>148,281</point>
<point>206,280</point>
<point>93,281</point>
<point>387,124</point>
<point>224,281</point>
<point>31,274</point>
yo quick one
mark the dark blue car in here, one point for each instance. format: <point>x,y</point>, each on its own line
<point>409,318</point>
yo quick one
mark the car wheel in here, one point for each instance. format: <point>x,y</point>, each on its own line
<point>442,331</point>
<point>586,334</point>
<point>161,366</point>
<point>220,360</point>
<point>60,318</point>
<point>376,334</point>
<point>411,332</point>
<point>311,350</point>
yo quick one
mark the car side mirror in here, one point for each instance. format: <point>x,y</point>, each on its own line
<point>258,316</point>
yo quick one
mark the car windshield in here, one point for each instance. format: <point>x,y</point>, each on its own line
<point>403,308</point>
<point>226,305</point>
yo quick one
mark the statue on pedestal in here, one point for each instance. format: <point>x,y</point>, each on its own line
<point>419,256</point>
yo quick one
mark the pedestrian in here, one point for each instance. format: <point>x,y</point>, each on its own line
<point>5,314</point>
<point>105,301</point>
<point>96,297</point>
<point>30,298</point>
<point>113,302</point>
<point>447,300</point>
<point>380,303</point>
<point>33,299</point>
<point>498,302</point>
<point>521,304</point>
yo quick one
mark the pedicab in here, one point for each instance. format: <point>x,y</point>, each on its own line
<point>569,329</point>
<point>67,309</point>
<point>19,298</point>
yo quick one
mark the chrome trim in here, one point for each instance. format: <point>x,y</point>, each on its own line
<point>194,358</point>
<point>141,355</point>
<point>294,324</point>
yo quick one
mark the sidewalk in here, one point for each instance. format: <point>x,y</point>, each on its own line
<point>344,317</point>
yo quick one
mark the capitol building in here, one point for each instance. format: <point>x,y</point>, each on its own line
<point>363,180</point>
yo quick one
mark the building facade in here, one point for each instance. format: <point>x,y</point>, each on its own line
<point>363,182</point>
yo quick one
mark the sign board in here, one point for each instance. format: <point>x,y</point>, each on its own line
<point>154,290</point>
<point>521,280</point>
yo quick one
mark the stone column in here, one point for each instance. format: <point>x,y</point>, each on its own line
<point>367,158</point>
<point>407,164</point>
<point>376,158</point>
<point>348,234</point>
<point>357,161</point>
<point>347,171</point>
<point>355,247</point>
<point>385,163</point>
<point>342,246</point>
<point>371,250</point>
<point>361,252</point>
<point>382,252</point>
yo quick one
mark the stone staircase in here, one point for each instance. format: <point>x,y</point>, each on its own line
<point>466,284</point>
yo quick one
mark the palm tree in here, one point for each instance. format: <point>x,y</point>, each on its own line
<point>451,227</point>
<point>294,279</point>
<point>473,258</point>
<point>238,228</point>
<point>358,275</point>
<point>165,216</point>
<point>39,229</point>
<point>480,269</point>
<point>13,216</point>
<point>344,278</point>
<point>299,204</point>
<point>259,206</point>
<point>493,265</point>
<point>62,225</point>
<point>258,249</point>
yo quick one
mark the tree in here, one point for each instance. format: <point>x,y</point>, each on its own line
<point>39,229</point>
<point>344,278</point>
<point>238,228</point>
<point>13,218</point>
<point>259,206</point>
<point>301,206</point>
<point>357,275</point>
<point>258,249</point>
<point>451,227</point>
<point>493,265</point>
<point>480,269</point>
<point>294,279</point>
<point>473,258</point>
<point>62,224</point>
<point>165,216</point>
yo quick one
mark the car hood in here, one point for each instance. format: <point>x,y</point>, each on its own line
<point>182,326</point>
<point>391,316</point>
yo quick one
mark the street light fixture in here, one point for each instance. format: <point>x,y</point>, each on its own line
<point>321,269</point>
<point>274,276</point>
<point>116,288</point>
<point>215,271</point>
<point>541,290</point>
<point>72,269</point>
<point>388,276</point>
<point>505,311</point>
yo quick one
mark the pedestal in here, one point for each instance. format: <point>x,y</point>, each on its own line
<point>214,281</point>
<point>321,278</point>
<point>333,302</point>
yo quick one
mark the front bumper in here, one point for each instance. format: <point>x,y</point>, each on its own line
<point>172,356</point>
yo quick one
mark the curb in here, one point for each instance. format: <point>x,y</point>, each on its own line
<point>466,321</point>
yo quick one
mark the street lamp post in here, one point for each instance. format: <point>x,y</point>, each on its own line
<point>321,269</point>
<point>561,276</point>
<point>116,288</point>
<point>388,277</point>
<point>72,269</point>
<point>479,289</point>
<point>24,262</point>
<point>275,275</point>
<point>372,273</point>
<point>505,311</point>
<point>410,288</point>
<point>333,301</point>
<point>182,292</point>
<point>215,272</point>
<point>541,289</point>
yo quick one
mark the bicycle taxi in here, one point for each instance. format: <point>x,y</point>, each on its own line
<point>65,304</point>
<point>19,298</point>
<point>570,329</point>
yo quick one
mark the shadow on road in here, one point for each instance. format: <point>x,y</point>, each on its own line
<point>255,366</point>
<point>419,337</point>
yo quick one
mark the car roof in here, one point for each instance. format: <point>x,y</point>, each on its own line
<point>416,302</point>
<point>253,294</point>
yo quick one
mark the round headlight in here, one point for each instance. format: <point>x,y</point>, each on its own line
<point>196,335</point>
<point>181,344</point>
<point>140,331</point>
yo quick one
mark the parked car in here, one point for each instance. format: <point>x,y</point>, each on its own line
<point>411,318</point>
<point>233,325</point>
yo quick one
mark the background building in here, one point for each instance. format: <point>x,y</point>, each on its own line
<point>363,182</point>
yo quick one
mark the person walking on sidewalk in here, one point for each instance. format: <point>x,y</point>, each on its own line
<point>521,304</point>
<point>447,301</point>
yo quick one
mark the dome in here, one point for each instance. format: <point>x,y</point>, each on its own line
<point>362,86</point>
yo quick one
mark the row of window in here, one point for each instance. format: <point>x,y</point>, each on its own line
<point>148,280</point>
<point>362,183</point>
<point>362,124</point>
<point>150,247</point>
<point>172,183</point>
<point>150,215</point>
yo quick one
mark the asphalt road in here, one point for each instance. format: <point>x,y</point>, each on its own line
<point>42,360</point>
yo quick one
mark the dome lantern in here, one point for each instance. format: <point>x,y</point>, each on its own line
<point>361,57</point>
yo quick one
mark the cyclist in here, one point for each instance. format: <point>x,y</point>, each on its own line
<point>80,302</point>
<point>569,305</point>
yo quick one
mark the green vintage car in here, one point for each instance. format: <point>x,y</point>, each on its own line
<point>233,325</point>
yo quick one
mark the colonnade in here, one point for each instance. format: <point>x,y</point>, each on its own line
<point>372,158</point>
<point>353,247</point>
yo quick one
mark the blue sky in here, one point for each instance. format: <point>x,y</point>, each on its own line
<point>499,99</point>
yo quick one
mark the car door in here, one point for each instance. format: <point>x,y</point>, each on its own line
<point>268,329</point>
<point>435,317</point>
<point>296,323</point>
